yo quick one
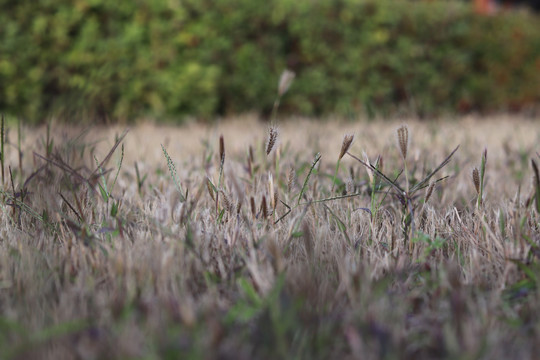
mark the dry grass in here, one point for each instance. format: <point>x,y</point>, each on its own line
<point>252,255</point>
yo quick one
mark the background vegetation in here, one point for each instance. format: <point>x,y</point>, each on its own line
<point>120,60</point>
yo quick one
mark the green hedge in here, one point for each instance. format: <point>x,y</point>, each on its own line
<point>167,59</point>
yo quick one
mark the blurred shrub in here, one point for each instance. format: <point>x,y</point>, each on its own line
<point>169,58</point>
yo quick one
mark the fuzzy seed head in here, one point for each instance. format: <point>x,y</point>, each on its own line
<point>285,81</point>
<point>264,208</point>
<point>476,179</point>
<point>403,140</point>
<point>227,201</point>
<point>349,186</point>
<point>272,138</point>
<point>291,179</point>
<point>347,142</point>
<point>221,150</point>
<point>210,190</point>
<point>253,208</point>
<point>238,207</point>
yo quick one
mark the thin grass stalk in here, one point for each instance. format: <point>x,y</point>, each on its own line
<point>373,206</point>
<point>480,189</point>
<point>403,142</point>
<point>19,147</point>
<point>304,186</point>
<point>14,194</point>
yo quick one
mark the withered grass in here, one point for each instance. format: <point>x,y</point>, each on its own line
<point>150,265</point>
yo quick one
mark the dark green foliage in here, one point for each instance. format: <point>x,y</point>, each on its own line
<point>99,59</point>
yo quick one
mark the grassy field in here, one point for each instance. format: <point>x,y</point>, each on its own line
<point>238,240</point>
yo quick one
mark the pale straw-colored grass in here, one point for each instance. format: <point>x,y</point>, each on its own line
<point>263,259</point>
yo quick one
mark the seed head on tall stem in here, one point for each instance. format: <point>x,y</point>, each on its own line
<point>272,138</point>
<point>345,146</point>
<point>403,143</point>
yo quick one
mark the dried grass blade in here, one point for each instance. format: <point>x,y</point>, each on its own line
<point>425,181</point>
<point>384,177</point>
<point>63,166</point>
<point>111,152</point>
<point>315,161</point>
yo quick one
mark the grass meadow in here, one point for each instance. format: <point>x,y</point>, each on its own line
<point>245,240</point>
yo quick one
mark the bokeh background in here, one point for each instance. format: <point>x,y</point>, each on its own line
<point>98,60</point>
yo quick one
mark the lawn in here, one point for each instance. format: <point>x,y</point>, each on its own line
<point>242,240</point>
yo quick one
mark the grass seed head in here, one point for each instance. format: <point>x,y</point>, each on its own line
<point>221,150</point>
<point>403,140</point>
<point>291,179</point>
<point>210,190</point>
<point>476,179</point>
<point>347,142</point>
<point>227,201</point>
<point>272,139</point>
<point>349,186</point>
<point>264,207</point>
<point>285,81</point>
<point>253,208</point>
<point>429,191</point>
<point>239,207</point>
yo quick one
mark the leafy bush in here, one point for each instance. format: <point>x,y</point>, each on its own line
<point>94,58</point>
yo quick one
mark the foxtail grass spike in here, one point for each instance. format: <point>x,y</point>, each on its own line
<point>476,180</point>
<point>272,139</point>
<point>345,145</point>
<point>403,140</point>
